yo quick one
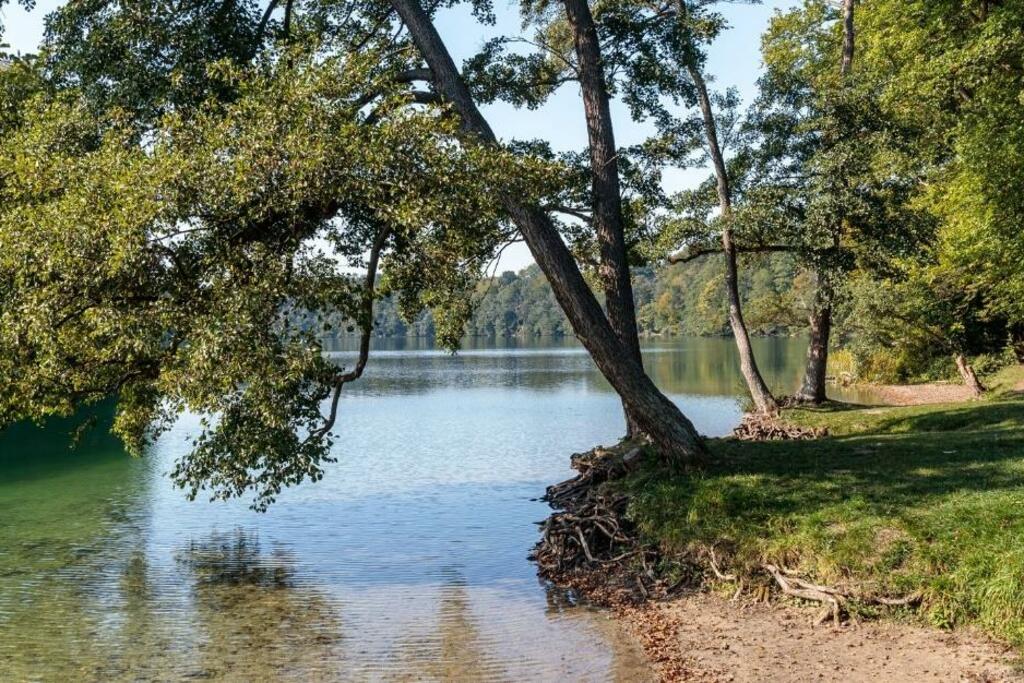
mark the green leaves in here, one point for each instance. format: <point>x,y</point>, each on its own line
<point>161,261</point>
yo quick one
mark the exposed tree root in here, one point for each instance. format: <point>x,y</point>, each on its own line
<point>713,561</point>
<point>760,427</point>
<point>588,544</point>
<point>798,588</point>
<point>835,601</point>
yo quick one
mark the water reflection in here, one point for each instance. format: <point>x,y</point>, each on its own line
<point>691,366</point>
<point>256,618</point>
<point>407,562</point>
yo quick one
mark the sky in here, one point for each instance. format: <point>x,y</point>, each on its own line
<point>734,60</point>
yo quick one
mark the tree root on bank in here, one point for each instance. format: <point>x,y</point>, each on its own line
<point>798,588</point>
<point>760,427</point>
<point>588,544</point>
<point>835,600</point>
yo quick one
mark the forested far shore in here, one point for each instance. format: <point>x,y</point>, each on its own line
<point>677,300</point>
<point>687,299</point>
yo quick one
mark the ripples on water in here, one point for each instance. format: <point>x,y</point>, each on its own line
<point>407,562</point>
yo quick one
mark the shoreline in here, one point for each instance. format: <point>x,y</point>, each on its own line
<point>703,616</point>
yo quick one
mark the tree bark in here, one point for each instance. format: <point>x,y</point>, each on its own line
<point>606,193</point>
<point>967,373</point>
<point>849,36</point>
<point>759,391</point>
<point>812,390</point>
<point>670,430</point>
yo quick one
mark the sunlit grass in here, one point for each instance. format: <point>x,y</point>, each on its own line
<point>927,498</point>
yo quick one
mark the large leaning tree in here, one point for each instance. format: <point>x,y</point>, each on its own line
<point>652,57</point>
<point>650,411</point>
<point>155,253</point>
<point>180,181</point>
<point>592,212</point>
<point>666,47</point>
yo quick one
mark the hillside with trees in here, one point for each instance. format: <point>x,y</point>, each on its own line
<point>675,300</point>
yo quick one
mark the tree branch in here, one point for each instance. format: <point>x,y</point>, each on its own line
<point>411,75</point>
<point>687,254</point>
<point>366,323</point>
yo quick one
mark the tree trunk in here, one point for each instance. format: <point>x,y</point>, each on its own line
<point>613,270</point>
<point>812,390</point>
<point>848,38</point>
<point>759,392</point>
<point>656,415</point>
<point>971,380</point>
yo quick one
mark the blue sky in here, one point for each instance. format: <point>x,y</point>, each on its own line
<point>734,61</point>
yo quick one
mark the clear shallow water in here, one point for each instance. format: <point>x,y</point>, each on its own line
<point>407,562</point>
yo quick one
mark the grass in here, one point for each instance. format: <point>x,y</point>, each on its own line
<point>896,500</point>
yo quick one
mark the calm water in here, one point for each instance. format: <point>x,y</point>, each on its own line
<point>407,562</point>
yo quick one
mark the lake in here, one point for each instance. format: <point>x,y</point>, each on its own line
<point>407,562</point>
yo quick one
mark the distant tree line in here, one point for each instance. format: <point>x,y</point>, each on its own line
<point>682,300</point>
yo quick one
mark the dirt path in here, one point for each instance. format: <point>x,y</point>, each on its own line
<point>707,638</point>
<point>918,394</point>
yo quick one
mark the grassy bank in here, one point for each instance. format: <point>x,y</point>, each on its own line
<point>896,500</point>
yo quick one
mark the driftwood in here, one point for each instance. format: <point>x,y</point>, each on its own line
<point>759,427</point>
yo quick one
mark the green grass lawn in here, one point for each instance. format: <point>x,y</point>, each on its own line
<point>896,500</point>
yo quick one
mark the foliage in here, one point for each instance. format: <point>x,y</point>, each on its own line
<point>951,75</point>
<point>831,173</point>
<point>179,180</point>
<point>152,259</point>
<point>910,329</point>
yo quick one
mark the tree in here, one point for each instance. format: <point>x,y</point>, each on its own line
<point>660,49</point>
<point>159,227</point>
<point>955,71</point>
<point>655,414</point>
<point>608,220</point>
<point>569,49</point>
<point>812,389</point>
<point>154,258</point>
<point>831,173</point>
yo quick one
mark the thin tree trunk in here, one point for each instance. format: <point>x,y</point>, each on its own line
<point>967,373</point>
<point>812,390</point>
<point>656,415</point>
<point>759,392</point>
<point>849,36</point>
<point>606,192</point>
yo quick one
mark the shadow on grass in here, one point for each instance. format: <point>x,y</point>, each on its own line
<point>982,415</point>
<point>900,469</point>
<point>906,464</point>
